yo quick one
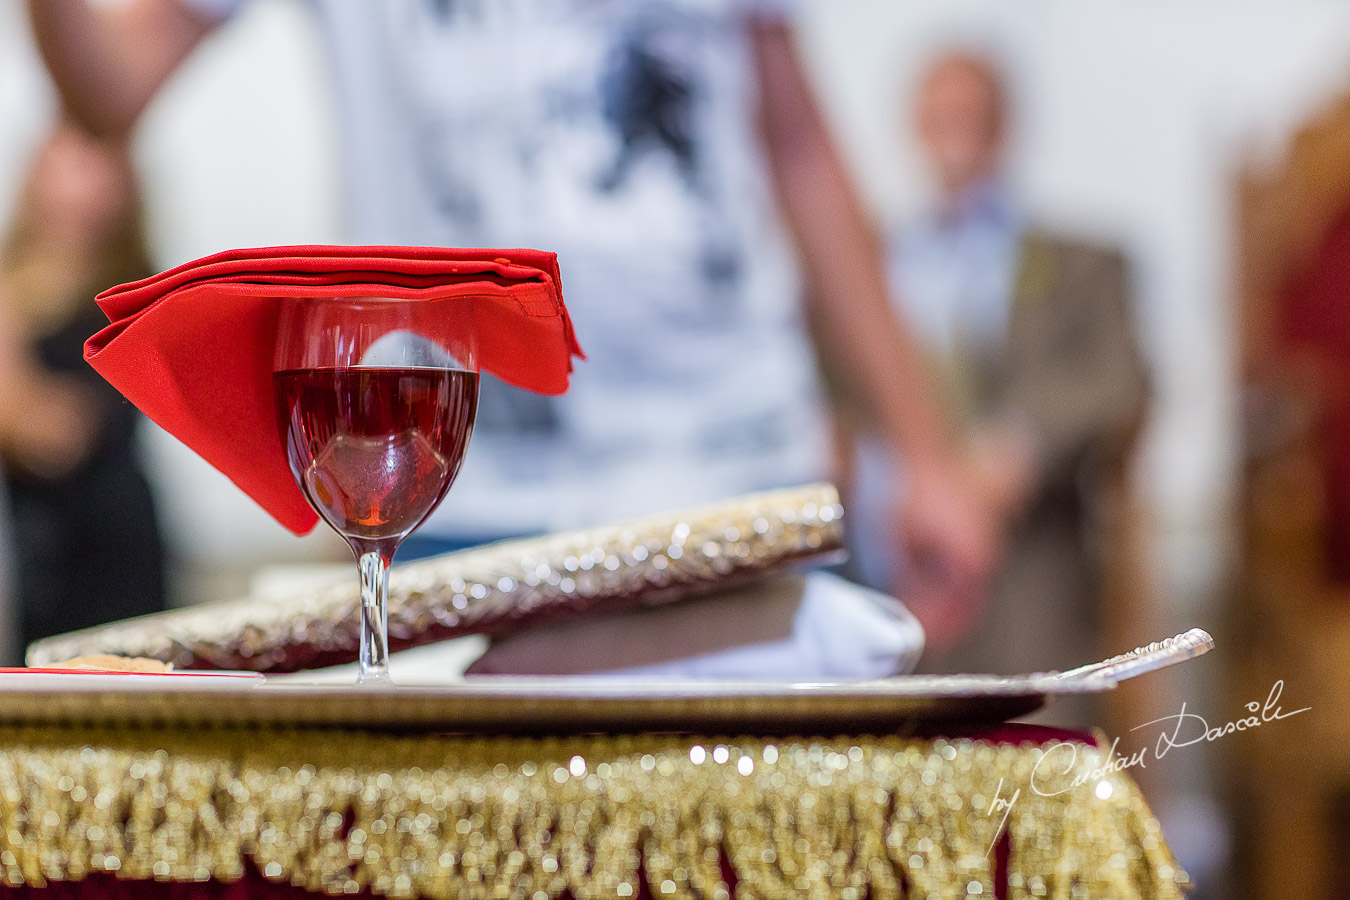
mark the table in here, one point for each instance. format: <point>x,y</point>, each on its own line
<point>229,813</point>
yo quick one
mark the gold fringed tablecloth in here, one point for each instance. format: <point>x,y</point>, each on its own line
<point>445,817</point>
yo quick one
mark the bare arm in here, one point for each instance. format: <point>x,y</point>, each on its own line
<point>840,256</point>
<point>109,62</point>
<point>948,536</point>
<point>46,425</point>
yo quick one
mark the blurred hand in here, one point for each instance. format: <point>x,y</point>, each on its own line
<point>47,425</point>
<point>951,539</point>
<point>1001,463</point>
<point>948,612</point>
<point>954,524</point>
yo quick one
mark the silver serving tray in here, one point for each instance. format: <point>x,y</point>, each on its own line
<point>516,705</point>
<point>575,705</point>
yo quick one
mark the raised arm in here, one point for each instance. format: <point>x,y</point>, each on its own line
<point>950,540</point>
<point>840,254</point>
<point>109,61</point>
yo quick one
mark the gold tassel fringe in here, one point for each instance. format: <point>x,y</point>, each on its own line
<point>524,818</point>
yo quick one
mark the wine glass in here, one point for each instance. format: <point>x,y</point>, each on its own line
<point>375,403</point>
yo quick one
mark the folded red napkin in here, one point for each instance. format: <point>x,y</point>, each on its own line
<point>193,347</point>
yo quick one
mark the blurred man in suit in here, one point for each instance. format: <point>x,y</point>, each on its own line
<point>1029,337</point>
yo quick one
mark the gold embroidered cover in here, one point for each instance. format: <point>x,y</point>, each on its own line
<point>491,589</point>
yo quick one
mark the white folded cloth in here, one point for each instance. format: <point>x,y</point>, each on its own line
<point>810,627</point>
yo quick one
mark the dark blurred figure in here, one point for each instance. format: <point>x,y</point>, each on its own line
<point>1028,335</point>
<point>87,546</point>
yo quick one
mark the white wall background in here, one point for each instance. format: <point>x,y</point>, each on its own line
<point>1134,114</point>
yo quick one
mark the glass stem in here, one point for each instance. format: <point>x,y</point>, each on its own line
<point>374,666</point>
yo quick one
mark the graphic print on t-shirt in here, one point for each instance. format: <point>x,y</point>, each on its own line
<point>606,122</point>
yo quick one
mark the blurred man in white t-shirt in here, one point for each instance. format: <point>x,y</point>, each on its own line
<point>671,153</point>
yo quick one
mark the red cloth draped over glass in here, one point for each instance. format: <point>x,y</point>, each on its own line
<point>193,347</point>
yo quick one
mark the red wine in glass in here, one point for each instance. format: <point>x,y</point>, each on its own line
<point>375,449</point>
<point>375,402</point>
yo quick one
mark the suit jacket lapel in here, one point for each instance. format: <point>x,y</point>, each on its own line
<point>1031,287</point>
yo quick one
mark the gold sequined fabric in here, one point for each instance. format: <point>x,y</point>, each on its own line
<point>529,818</point>
<point>490,589</point>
